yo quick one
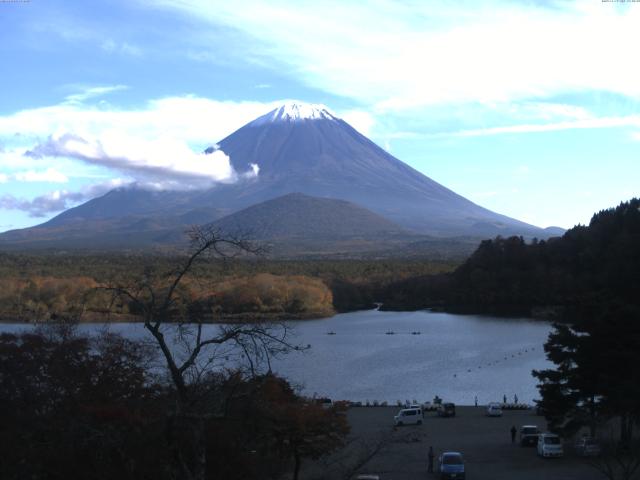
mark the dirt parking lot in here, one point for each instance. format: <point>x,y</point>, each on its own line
<point>484,441</point>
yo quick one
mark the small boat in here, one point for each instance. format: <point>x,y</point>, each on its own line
<point>331,333</point>
<point>415,333</point>
<point>390,332</point>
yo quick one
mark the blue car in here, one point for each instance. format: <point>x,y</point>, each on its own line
<point>451,465</point>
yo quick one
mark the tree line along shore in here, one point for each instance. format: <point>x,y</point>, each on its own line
<point>40,287</point>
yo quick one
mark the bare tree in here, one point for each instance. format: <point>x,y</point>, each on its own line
<point>618,461</point>
<point>190,349</point>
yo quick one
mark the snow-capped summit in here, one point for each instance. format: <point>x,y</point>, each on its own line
<point>295,111</point>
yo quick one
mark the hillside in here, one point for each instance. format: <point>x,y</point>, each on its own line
<point>298,215</point>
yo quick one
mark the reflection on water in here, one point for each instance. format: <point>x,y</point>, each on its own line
<point>355,356</point>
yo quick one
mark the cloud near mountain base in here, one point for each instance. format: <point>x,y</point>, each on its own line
<point>57,200</point>
<point>165,164</point>
<point>162,163</point>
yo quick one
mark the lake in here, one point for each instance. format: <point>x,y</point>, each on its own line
<point>455,356</point>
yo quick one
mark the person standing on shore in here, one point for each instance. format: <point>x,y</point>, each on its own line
<point>476,400</point>
<point>504,398</point>
<point>513,434</point>
<point>430,456</point>
<point>515,399</point>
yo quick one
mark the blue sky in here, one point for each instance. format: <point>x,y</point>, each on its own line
<point>531,109</point>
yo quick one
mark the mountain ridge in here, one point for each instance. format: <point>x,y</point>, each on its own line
<point>296,148</point>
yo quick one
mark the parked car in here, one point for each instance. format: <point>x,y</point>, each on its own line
<point>550,445</point>
<point>446,410</point>
<point>451,465</point>
<point>587,447</point>
<point>529,435</point>
<point>325,402</point>
<point>494,410</point>
<point>367,476</point>
<point>409,416</point>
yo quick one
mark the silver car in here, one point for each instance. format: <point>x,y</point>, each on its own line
<point>587,447</point>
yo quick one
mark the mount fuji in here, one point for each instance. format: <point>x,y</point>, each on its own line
<point>296,148</point>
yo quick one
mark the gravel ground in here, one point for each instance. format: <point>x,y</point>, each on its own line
<point>485,443</point>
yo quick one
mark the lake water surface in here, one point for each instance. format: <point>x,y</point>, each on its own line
<point>455,356</point>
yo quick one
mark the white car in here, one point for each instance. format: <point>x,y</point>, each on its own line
<point>550,445</point>
<point>494,410</point>
<point>408,416</point>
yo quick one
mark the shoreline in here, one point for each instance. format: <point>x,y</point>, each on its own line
<point>96,318</point>
<point>548,313</point>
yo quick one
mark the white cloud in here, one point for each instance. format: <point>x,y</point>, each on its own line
<point>360,120</point>
<point>57,200</point>
<point>254,172</point>
<point>191,119</point>
<point>162,160</point>
<point>578,122</point>
<point>49,175</point>
<point>111,46</point>
<point>407,55</point>
<point>594,122</point>
<point>157,145</point>
<point>91,92</point>
<point>550,111</point>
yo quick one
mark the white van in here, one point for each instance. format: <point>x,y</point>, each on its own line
<point>409,416</point>
<point>550,445</point>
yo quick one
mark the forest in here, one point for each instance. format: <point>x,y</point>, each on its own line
<point>40,287</point>
<point>589,265</point>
